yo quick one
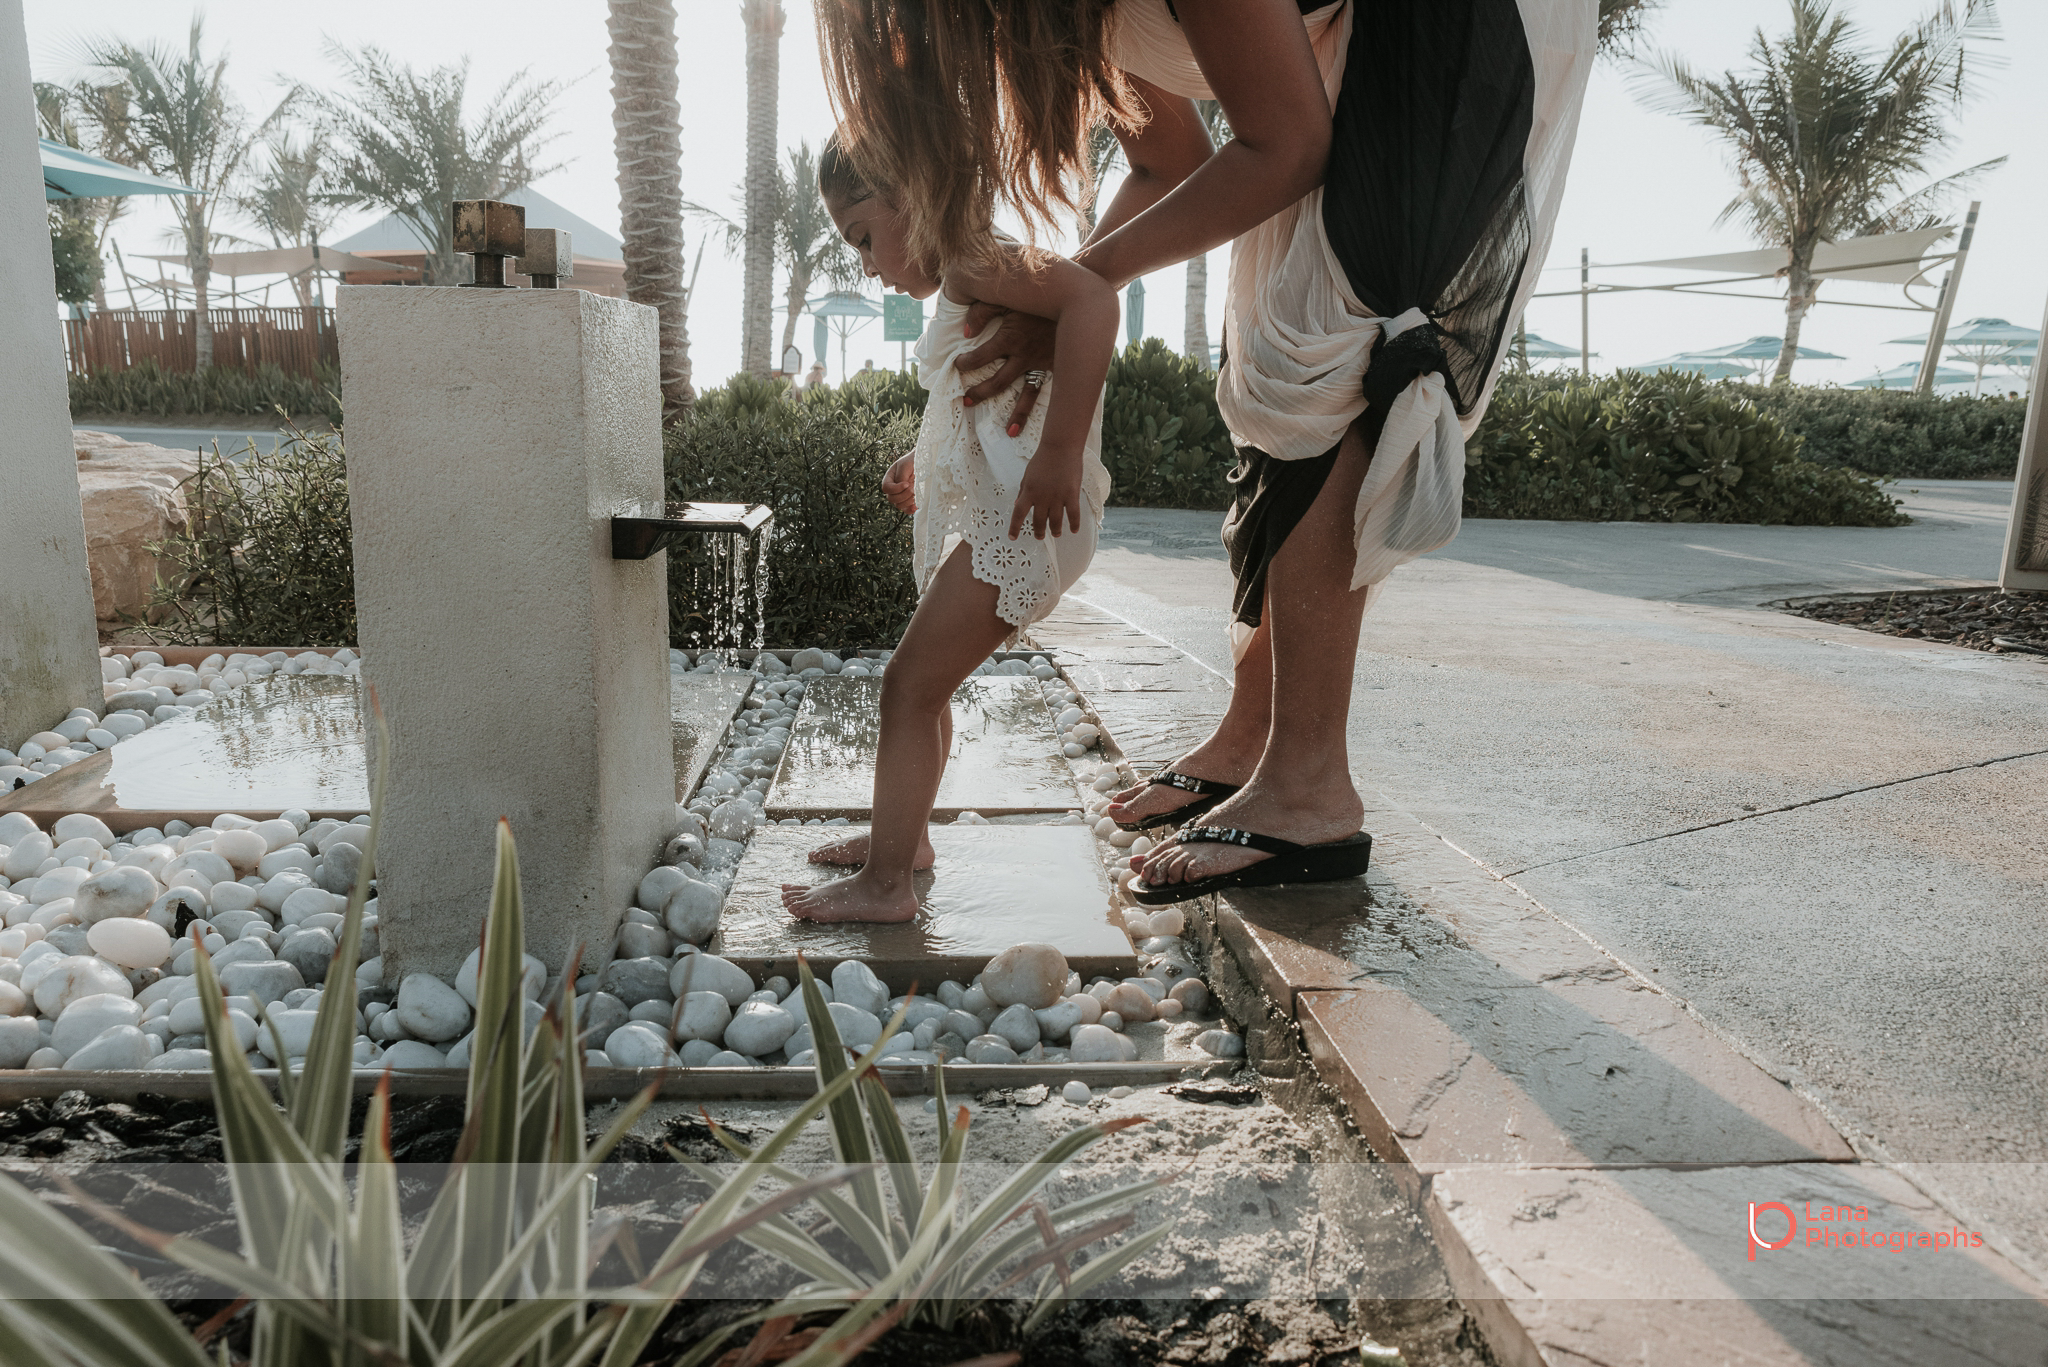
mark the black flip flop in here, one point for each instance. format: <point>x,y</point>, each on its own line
<point>1207,790</point>
<point>1291,863</point>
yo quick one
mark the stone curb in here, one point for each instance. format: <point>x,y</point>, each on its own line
<point>1584,1148</point>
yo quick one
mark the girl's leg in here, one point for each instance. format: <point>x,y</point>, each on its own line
<point>853,851</point>
<point>1301,789</point>
<point>1232,750</point>
<point>954,630</point>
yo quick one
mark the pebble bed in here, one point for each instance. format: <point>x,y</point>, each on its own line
<point>1989,620</point>
<point>96,965</point>
<point>142,691</point>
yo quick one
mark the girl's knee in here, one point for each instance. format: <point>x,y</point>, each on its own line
<point>909,694</point>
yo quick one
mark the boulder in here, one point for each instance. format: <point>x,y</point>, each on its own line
<point>130,496</point>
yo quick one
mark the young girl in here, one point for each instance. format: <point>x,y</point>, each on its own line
<point>986,497</point>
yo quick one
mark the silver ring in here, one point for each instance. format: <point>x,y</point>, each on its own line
<point>1035,378</point>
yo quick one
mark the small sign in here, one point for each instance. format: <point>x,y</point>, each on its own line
<point>902,318</point>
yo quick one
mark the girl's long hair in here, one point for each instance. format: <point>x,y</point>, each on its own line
<point>948,106</point>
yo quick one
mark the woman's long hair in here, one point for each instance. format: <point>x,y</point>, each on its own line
<point>953,104</point>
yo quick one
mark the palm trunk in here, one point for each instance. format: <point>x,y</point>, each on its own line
<point>763,20</point>
<point>202,322</point>
<point>1800,289</point>
<point>793,304</point>
<point>1195,339</point>
<point>647,137</point>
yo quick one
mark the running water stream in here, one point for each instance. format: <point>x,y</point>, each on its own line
<point>729,582</point>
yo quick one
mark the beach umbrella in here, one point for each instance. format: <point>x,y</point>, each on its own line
<point>1904,376</point>
<point>1757,355</point>
<point>1543,349</point>
<point>844,312</point>
<point>1985,341</point>
<point>71,174</point>
<point>1696,365</point>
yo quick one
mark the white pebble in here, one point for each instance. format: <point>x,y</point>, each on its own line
<point>1076,1093</point>
<point>130,941</point>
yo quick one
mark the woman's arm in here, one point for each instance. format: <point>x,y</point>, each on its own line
<point>1084,308</point>
<point>1256,57</point>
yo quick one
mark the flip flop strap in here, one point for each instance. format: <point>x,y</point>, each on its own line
<point>1188,783</point>
<point>1226,835</point>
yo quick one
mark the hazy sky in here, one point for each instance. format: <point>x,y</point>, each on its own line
<point>1643,184</point>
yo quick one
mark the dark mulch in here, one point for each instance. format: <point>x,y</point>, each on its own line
<point>1986,619</point>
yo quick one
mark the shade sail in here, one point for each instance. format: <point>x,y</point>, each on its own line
<point>288,261</point>
<point>1857,258</point>
<point>71,174</point>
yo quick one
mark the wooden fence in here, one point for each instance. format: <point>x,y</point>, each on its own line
<point>297,341</point>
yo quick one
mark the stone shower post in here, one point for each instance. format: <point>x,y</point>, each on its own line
<point>491,435</point>
<point>49,643</point>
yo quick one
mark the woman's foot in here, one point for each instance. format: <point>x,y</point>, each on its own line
<point>1208,760</point>
<point>852,852</point>
<point>1306,816</point>
<point>859,898</point>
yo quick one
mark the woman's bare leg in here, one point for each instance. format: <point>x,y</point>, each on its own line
<point>1301,789</point>
<point>1232,750</point>
<point>852,852</point>
<point>954,630</point>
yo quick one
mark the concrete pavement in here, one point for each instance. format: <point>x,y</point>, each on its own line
<point>1830,844</point>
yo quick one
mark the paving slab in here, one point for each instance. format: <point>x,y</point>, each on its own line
<point>701,707</point>
<point>991,887</point>
<point>1654,1266</point>
<point>279,743</point>
<point>1005,760</point>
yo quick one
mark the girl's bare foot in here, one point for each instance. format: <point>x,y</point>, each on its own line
<point>853,852</point>
<point>1305,817</point>
<point>858,898</point>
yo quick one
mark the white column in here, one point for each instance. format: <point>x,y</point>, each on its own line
<point>491,434</point>
<point>2026,535</point>
<point>49,643</point>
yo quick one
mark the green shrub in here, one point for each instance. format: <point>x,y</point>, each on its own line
<point>1898,433</point>
<point>1162,437</point>
<point>839,569</point>
<point>150,389</point>
<point>1663,447</point>
<point>265,558</point>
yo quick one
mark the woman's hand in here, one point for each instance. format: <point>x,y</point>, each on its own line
<point>1049,495</point>
<point>899,486</point>
<point>1024,342</point>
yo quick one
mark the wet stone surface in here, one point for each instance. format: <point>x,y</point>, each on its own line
<point>700,707</point>
<point>1005,758</point>
<point>1990,620</point>
<point>992,887</point>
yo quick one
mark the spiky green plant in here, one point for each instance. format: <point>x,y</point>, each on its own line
<point>498,1272</point>
<point>928,1260</point>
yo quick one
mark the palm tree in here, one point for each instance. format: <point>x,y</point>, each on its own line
<point>1622,21</point>
<point>1195,333</point>
<point>806,240</point>
<point>403,142</point>
<point>169,112</point>
<point>290,199</point>
<point>647,136</point>
<point>1826,137</point>
<point>763,20</point>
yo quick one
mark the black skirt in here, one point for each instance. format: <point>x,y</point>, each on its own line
<point>1424,207</point>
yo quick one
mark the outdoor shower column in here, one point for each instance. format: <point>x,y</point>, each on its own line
<point>49,644</point>
<point>491,436</point>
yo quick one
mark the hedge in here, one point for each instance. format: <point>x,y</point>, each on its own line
<point>149,389</point>
<point>1897,433</point>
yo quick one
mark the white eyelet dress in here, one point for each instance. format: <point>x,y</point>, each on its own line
<point>968,471</point>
